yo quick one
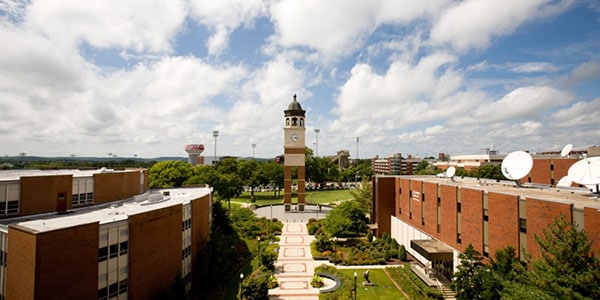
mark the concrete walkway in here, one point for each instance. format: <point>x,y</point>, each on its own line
<point>295,265</point>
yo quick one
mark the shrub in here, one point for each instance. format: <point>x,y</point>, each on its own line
<point>402,253</point>
<point>317,281</point>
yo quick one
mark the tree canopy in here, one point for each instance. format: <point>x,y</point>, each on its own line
<point>565,269</point>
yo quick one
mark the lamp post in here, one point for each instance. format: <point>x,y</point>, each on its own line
<point>334,250</point>
<point>259,257</point>
<point>241,280</point>
<point>356,159</point>
<point>253,149</point>
<point>215,135</point>
<point>354,285</point>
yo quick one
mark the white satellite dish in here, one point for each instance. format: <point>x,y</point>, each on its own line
<point>450,172</point>
<point>566,150</point>
<point>564,182</point>
<point>586,171</point>
<point>516,165</point>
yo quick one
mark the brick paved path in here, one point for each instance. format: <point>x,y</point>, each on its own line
<point>294,267</point>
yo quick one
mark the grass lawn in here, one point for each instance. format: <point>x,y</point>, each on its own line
<point>312,196</point>
<point>382,288</point>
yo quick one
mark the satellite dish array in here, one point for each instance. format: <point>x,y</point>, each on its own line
<point>586,171</point>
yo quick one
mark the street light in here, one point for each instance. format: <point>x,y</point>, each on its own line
<point>215,135</point>
<point>241,280</point>
<point>317,143</point>
<point>259,257</point>
<point>253,148</point>
<point>354,285</point>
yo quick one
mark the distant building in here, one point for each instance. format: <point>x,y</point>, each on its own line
<point>341,159</point>
<point>394,165</point>
<point>97,234</point>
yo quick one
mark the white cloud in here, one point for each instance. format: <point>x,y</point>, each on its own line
<point>474,23</point>
<point>533,67</point>
<point>139,25</point>
<point>223,17</point>
<point>336,28</point>
<point>580,113</point>
<point>524,102</point>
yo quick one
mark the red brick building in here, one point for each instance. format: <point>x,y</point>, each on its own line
<point>437,218</point>
<point>97,235</point>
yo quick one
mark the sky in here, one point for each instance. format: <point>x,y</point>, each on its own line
<point>146,77</point>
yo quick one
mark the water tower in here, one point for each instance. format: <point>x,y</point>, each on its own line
<point>194,150</point>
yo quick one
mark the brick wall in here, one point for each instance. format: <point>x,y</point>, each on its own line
<point>540,172</point>
<point>561,168</point>
<point>448,215</point>
<point>471,218</point>
<point>592,227</point>
<point>540,214</point>
<point>39,193</point>
<point>63,263</point>
<point>404,199</point>
<point>154,251</point>
<point>112,186</point>
<point>431,219</point>
<point>20,268</point>
<point>385,203</point>
<point>503,212</point>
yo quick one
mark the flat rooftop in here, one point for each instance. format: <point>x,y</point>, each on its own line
<point>579,197</point>
<point>108,213</point>
<point>12,175</point>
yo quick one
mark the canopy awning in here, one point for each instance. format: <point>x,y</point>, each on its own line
<point>432,250</point>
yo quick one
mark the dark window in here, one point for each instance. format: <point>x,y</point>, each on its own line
<point>522,225</point>
<point>114,250</point>
<point>422,221</point>
<point>102,253</point>
<point>113,290</point>
<point>458,238</point>
<point>485,215</point>
<point>90,196</point>
<point>552,167</point>
<point>439,227</point>
<point>123,286</point>
<point>102,293</point>
<point>458,208</point>
<point>439,200</point>
<point>124,246</point>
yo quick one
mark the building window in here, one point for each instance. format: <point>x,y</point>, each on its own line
<point>124,247</point>
<point>103,293</point>
<point>458,238</point>
<point>114,251</point>
<point>522,225</point>
<point>113,290</point>
<point>458,207</point>
<point>485,215</point>
<point>123,286</point>
<point>102,254</point>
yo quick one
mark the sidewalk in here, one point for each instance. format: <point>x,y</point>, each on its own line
<point>295,265</point>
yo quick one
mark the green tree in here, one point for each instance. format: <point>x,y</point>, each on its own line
<point>256,286</point>
<point>273,174</point>
<point>346,219</point>
<point>251,175</point>
<point>168,174</point>
<point>363,195</point>
<point>468,281</point>
<point>202,175</point>
<point>566,268</point>
<point>489,171</point>
<point>228,186</point>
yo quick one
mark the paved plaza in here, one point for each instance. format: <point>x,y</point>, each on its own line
<point>295,265</point>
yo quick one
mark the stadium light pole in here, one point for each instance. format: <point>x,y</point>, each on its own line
<point>215,135</point>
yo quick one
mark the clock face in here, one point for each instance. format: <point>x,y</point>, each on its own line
<point>294,137</point>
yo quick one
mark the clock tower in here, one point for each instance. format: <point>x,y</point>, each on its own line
<point>294,153</point>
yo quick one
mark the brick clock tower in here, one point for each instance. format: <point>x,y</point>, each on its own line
<point>294,155</point>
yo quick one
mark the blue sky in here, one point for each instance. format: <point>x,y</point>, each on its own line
<point>88,78</point>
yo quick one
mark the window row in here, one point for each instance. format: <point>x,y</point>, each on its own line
<point>113,251</point>
<point>9,208</point>
<point>186,252</point>
<point>187,224</point>
<point>113,290</point>
<point>81,199</point>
